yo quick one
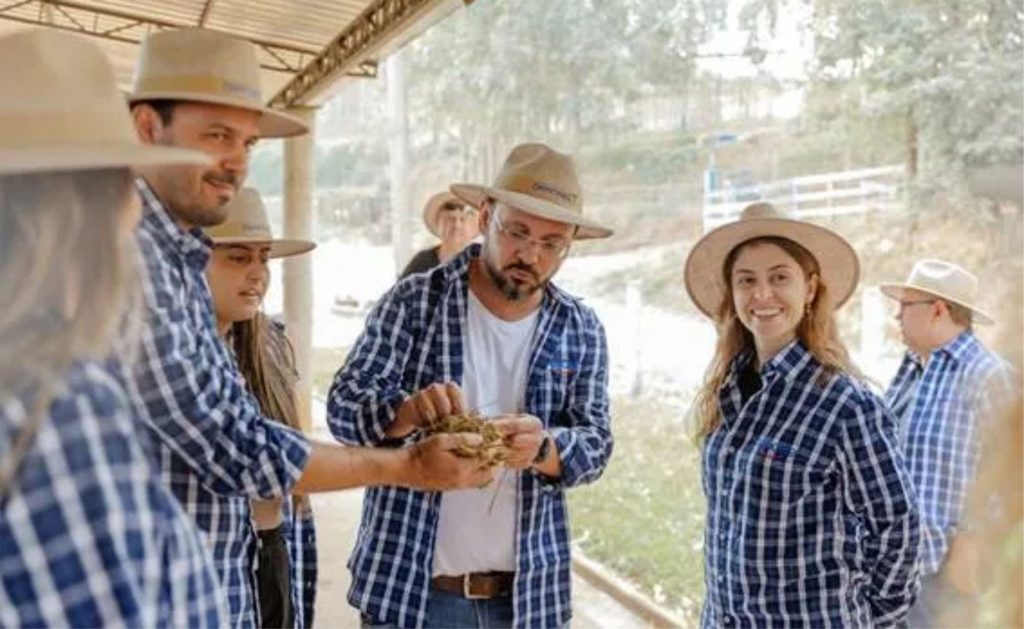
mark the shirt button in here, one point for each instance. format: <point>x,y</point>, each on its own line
<point>726,620</point>
<point>721,578</point>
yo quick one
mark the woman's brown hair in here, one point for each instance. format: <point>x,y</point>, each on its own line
<point>266,359</point>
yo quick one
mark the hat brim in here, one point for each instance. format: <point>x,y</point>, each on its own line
<point>476,195</point>
<point>894,290</point>
<point>273,123</point>
<point>840,267</point>
<point>433,208</point>
<point>94,156</point>
<point>279,247</point>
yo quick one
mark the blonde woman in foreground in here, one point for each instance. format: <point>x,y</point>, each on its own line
<point>811,519</point>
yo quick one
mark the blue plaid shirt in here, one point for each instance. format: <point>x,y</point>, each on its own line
<point>300,537</point>
<point>413,338</point>
<point>811,519</point>
<point>942,407</point>
<point>89,536</point>
<point>213,447</point>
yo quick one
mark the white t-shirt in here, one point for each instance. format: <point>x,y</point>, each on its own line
<point>473,536</point>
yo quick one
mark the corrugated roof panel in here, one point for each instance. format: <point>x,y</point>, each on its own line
<point>289,33</point>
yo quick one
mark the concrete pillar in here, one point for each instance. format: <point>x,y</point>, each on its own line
<point>398,148</point>
<point>299,176</point>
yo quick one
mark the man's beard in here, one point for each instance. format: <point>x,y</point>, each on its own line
<point>509,288</point>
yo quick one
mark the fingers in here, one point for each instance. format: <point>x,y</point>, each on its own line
<point>511,425</point>
<point>453,393</point>
<point>434,402</point>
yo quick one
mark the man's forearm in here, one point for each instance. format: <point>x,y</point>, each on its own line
<point>334,467</point>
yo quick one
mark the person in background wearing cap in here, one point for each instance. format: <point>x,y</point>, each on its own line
<point>200,89</point>
<point>239,277</point>
<point>811,517</point>
<point>948,388</point>
<point>487,332</point>
<point>453,222</point>
<point>89,535</point>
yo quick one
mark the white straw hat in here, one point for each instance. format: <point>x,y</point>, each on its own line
<point>247,223</point>
<point>541,181</point>
<point>61,110</point>
<point>946,281</point>
<point>203,66</point>
<point>703,273</point>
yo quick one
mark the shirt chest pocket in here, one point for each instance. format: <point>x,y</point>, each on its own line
<point>780,471</point>
<point>550,393</point>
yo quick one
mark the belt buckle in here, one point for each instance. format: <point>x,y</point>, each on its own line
<point>467,589</point>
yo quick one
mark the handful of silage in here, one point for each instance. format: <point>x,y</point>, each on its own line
<point>491,452</point>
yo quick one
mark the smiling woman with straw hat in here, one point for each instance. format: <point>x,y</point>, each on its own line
<point>811,519</point>
<point>90,537</point>
<point>239,278</point>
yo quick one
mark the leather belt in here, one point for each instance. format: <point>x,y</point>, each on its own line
<point>477,584</point>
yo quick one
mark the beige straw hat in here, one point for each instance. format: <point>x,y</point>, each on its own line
<point>247,223</point>
<point>60,109</point>
<point>432,209</point>
<point>198,65</point>
<point>840,267</point>
<point>541,181</point>
<point>946,281</point>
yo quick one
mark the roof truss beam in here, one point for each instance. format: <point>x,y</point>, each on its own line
<point>350,52</point>
<point>125,27</point>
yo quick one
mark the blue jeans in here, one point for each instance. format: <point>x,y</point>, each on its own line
<point>450,611</point>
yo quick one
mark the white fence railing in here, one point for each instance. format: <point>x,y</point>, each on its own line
<point>828,194</point>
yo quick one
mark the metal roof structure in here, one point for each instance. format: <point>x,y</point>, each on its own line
<point>307,48</point>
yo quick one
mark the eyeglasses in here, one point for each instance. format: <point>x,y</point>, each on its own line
<point>521,239</point>
<point>904,304</point>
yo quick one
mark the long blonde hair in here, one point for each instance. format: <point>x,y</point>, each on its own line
<point>266,359</point>
<point>69,279</point>
<point>817,331</point>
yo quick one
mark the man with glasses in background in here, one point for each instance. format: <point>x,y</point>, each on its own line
<point>947,390</point>
<point>451,220</point>
<point>487,332</point>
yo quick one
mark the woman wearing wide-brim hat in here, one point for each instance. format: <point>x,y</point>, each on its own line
<point>810,519</point>
<point>239,276</point>
<point>91,537</point>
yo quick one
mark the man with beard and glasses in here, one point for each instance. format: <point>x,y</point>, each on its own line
<point>199,89</point>
<point>486,332</point>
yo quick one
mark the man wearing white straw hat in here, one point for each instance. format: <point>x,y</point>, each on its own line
<point>486,333</point>
<point>451,220</point>
<point>948,388</point>
<point>200,89</point>
<point>89,534</point>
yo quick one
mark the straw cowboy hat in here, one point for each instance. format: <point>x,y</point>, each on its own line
<point>197,65</point>
<point>944,280</point>
<point>839,265</point>
<point>61,109</point>
<point>432,210</point>
<point>247,223</point>
<point>540,181</point>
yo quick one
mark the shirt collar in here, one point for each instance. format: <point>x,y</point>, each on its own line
<point>789,362</point>
<point>191,244</point>
<point>960,347</point>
